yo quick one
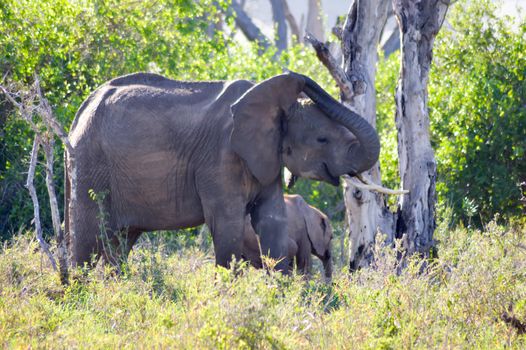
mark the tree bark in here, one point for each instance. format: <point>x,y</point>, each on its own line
<point>314,24</point>
<point>294,28</point>
<point>419,24</point>
<point>30,184</point>
<point>366,211</point>
<point>55,215</point>
<point>251,31</point>
<point>280,34</point>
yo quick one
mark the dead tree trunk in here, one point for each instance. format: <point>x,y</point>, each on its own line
<point>419,24</point>
<point>247,26</point>
<point>294,28</point>
<point>280,34</point>
<point>366,211</point>
<point>314,24</point>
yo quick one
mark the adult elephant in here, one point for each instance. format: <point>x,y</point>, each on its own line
<point>171,154</point>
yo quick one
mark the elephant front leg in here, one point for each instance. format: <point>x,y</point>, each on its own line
<point>270,222</point>
<point>227,228</point>
<point>117,246</point>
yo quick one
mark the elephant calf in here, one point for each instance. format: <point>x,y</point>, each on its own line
<point>309,231</point>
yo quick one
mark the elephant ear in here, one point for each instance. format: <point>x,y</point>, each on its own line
<point>316,227</point>
<point>257,123</point>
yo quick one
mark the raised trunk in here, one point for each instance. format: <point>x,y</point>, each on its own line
<point>416,218</point>
<point>366,153</point>
<point>366,211</point>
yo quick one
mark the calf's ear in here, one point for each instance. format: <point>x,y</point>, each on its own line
<point>315,225</point>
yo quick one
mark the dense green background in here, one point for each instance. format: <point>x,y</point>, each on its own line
<point>477,90</point>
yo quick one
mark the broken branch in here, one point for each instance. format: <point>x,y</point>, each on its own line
<point>36,207</point>
<point>324,55</point>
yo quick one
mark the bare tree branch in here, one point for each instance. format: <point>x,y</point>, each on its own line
<point>324,55</point>
<point>31,103</point>
<point>251,31</point>
<point>294,28</point>
<point>45,111</point>
<point>36,207</point>
<point>55,214</point>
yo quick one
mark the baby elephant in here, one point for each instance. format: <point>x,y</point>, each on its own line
<point>310,232</point>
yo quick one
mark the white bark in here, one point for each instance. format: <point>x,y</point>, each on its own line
<point>366,211</point>
<point>247,26</point>
<point>36,207</point>
<point>419,24</point>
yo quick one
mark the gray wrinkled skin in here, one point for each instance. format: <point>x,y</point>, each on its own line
<point>171,154</point>
<point>309,232</point>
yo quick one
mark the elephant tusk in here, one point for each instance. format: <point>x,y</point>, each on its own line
<point>290,179</point>
<point>368,185</point>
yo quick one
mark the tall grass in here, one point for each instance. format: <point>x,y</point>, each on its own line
<point>177,298</point>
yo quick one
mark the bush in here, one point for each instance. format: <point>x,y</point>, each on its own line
<point>477,106</point>
<point>477,100</point>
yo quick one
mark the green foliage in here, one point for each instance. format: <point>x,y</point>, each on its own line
<point>179,299</point>
<point>477,99</point>
<point>323,196</point>
<point>476,90</point>
<point>74,46</point>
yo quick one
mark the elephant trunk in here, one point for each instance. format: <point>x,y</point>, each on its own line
<point>364,155</point>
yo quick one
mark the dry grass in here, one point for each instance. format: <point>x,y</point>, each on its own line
<point>177,298</point>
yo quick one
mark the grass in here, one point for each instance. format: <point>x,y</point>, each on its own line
<point>176,298</point>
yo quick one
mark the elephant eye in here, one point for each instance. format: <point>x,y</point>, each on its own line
<point>322,140</point>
